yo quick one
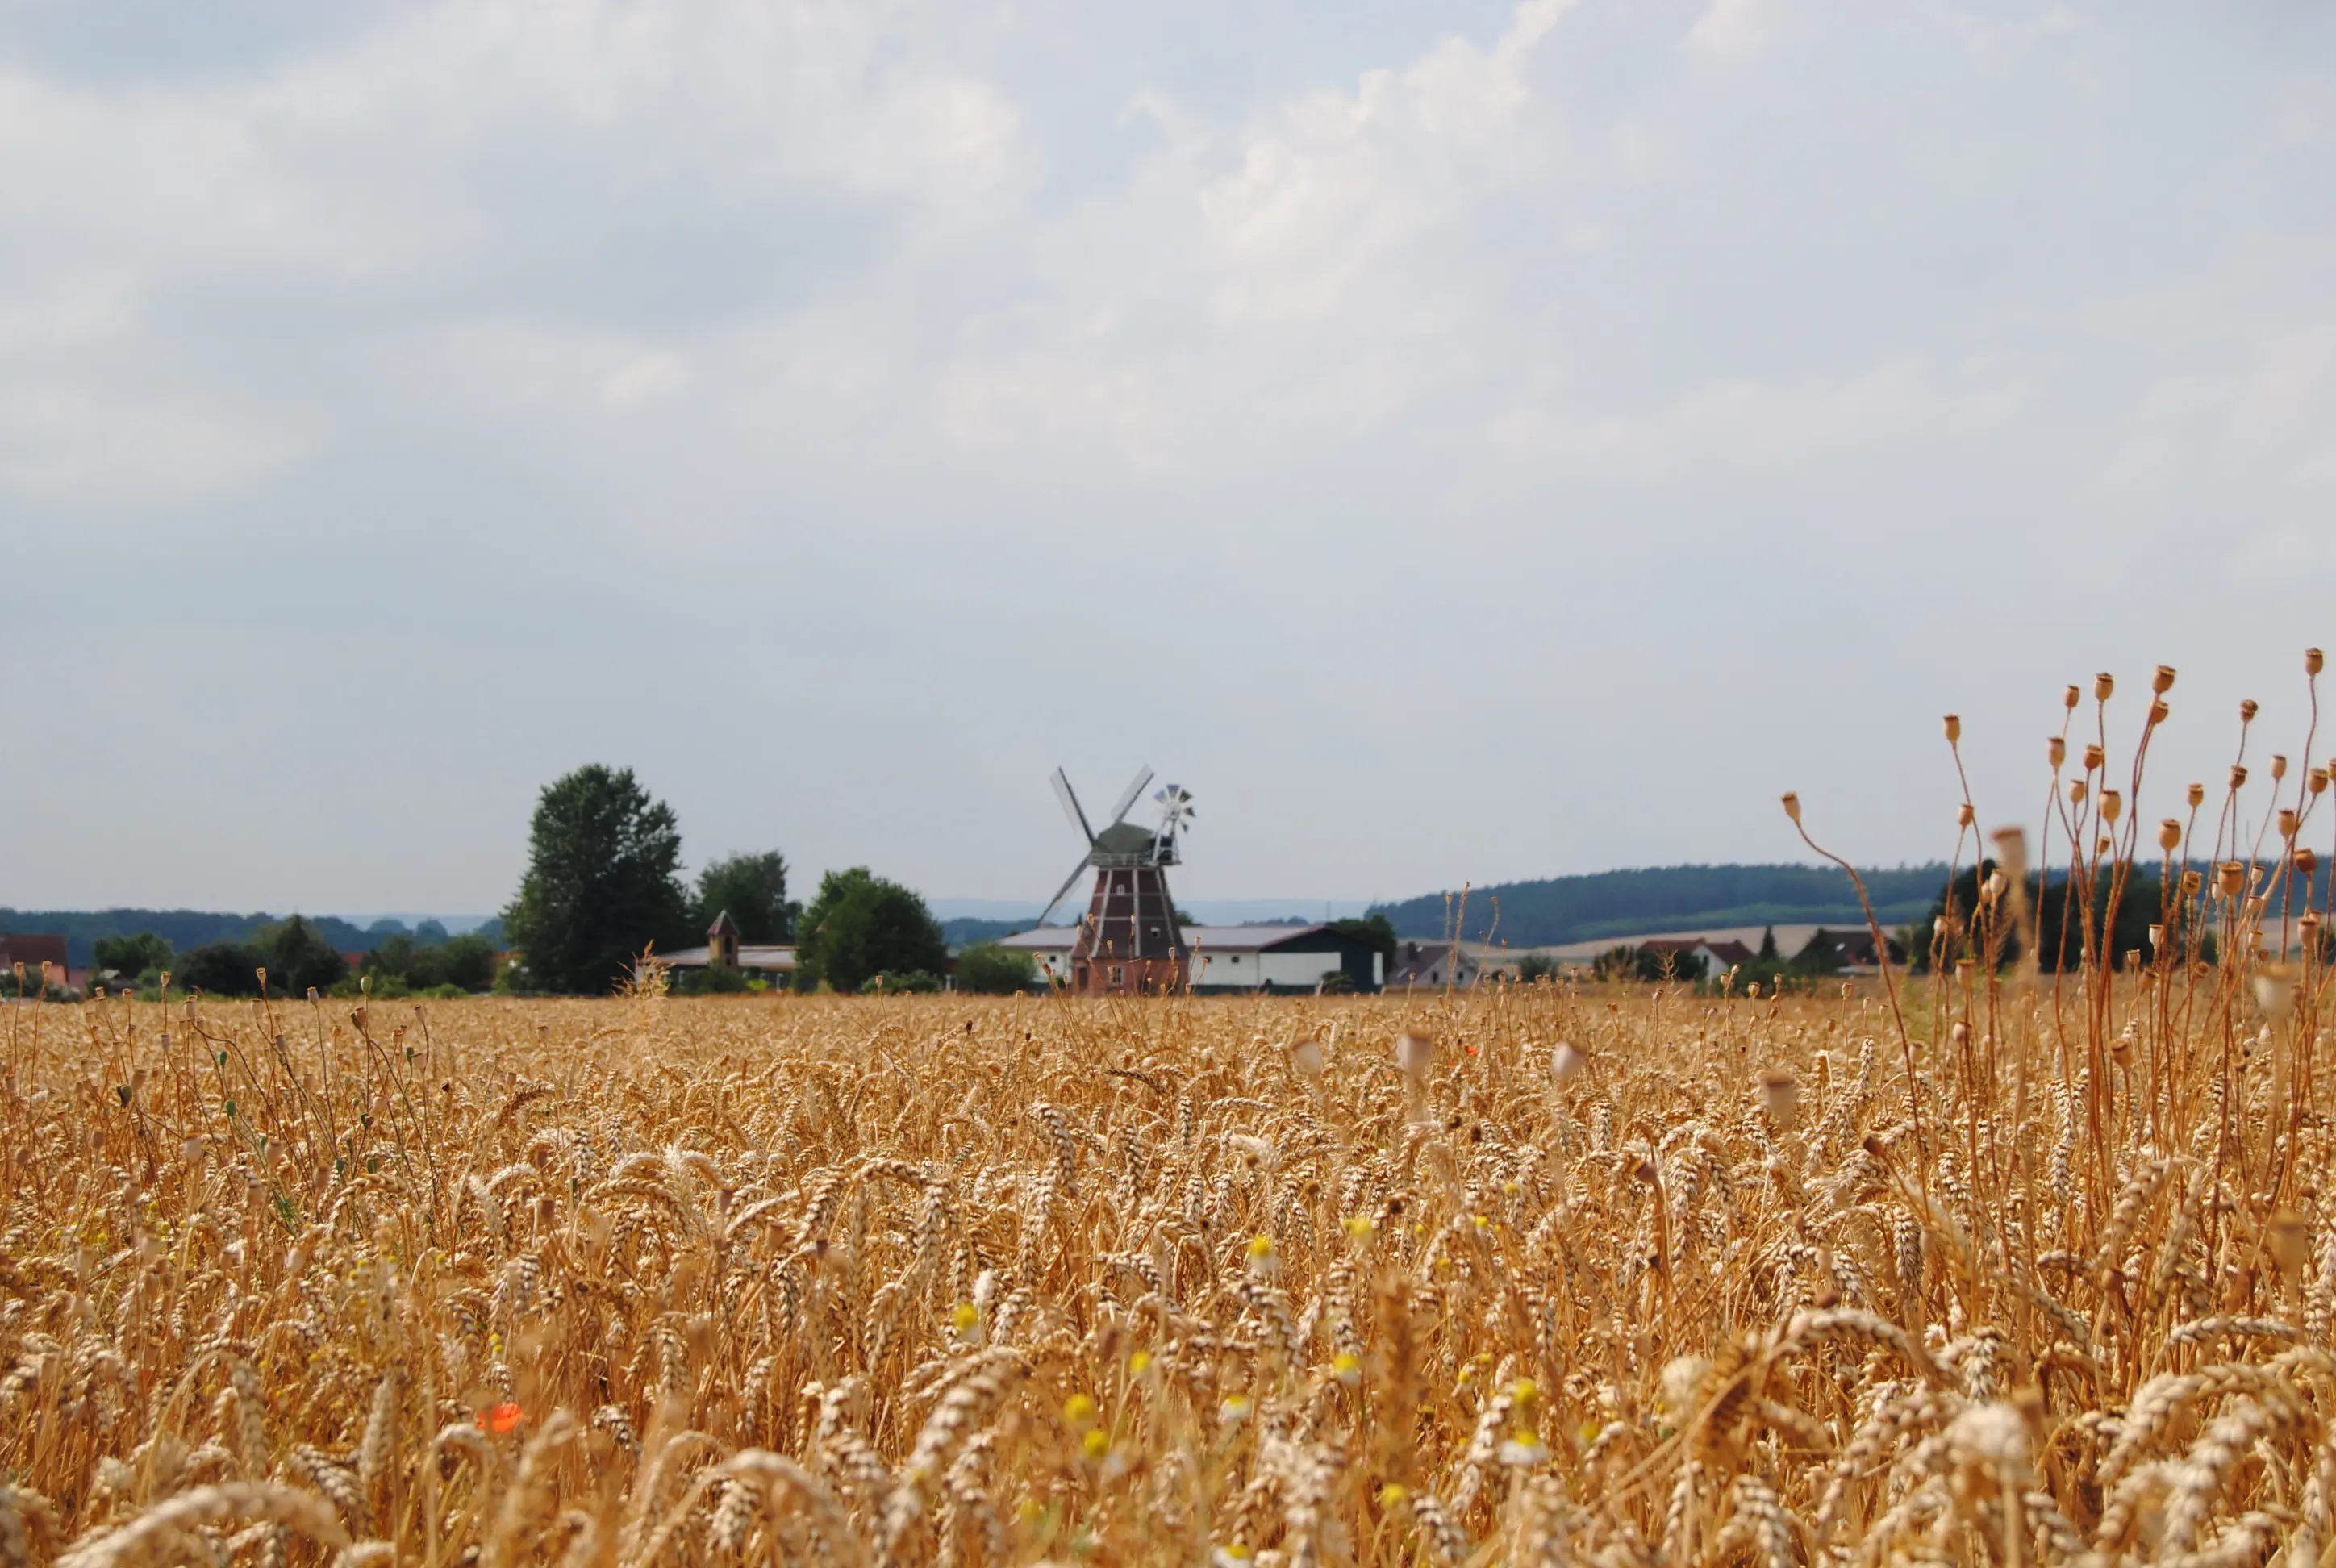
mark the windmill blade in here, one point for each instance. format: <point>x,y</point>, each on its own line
<point>1062,781</point>
<point>1077,872</point>
<point>1143,777</point>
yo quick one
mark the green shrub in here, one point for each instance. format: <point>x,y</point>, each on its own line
<point>714,980</point>
<point>892,985</point>
<point>994,971</point>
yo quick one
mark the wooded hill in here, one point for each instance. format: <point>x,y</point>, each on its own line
<point>187,929</point>
<point>1559,909</point>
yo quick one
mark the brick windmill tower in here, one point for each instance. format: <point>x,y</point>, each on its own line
<point>1130,940</point>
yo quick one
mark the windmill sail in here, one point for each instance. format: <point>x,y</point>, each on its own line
<point>1071,805</point>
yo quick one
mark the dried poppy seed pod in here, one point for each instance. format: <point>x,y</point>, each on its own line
<point>2094,758</point>
<point>2287,1239</point>
<point>1780,1097</point>
<point>2198,796</point>
<point>2247,711</point>
<point>1793,805</point>
<point>2011,852</point>
<point>2076,792</point>
<point>2317,781</point>
<point>2058,750</point>
<point>2103,685</point>
<point>2305,861</point>
<point>2169,836</point>
<point>2159,711</point>
<point>2073,698</point>
<point>2163,681</point>
<point>2233,880</point>
<point>2278,765</point>
<point>2112,805</point>
<point>1964,814</point>
<point>1414,1053</point>
<point>2286,822</point>
<point>1954,728</point>
<point>2238,775</point>
<point>2311,661</point>
<point>1995,887</point>
<point>2191,883</point>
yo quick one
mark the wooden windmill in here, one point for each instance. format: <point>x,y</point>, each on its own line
<point>1130,940</point>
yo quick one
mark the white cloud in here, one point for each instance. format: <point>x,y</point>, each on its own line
<point>75,448</point>
<point>73,315</point>
<point>1728,27</point>
<point>1749,424</point>
<point>2253,434</point>
<point>651,378</point>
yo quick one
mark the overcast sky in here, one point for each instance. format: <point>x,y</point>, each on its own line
<point>1456,440</point>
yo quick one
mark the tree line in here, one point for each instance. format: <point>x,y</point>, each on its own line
<point>603,888</point>
<point>604,885</point>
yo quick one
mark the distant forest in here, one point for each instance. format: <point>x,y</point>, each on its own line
<point>187,929</point>
<point>969,930</point>
<point>1559,909</point>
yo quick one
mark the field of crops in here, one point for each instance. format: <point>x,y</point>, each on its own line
<point>1511,1275</point>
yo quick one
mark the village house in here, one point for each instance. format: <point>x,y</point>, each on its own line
<point>32,950</point>
<point>1700,958</point>
<point>1432,964</point>
<point>724,949</point>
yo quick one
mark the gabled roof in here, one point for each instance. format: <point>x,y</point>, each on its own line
<point>723,926</point>
<point>1244,939</point>
<point>1415,958</point>
<point>751,956</point>
<point>33,949</point>
<point>1045,939</point>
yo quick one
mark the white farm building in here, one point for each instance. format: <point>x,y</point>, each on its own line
<point>1236,958</point>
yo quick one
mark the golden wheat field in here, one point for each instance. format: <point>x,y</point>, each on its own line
<point>1515,1275</point>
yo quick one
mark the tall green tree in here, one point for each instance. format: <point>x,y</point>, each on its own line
<point>861,925</point>
<point>299,959</point>
<point>753,889</point>
<point>2059,919</point>
<point>132,955</point>
<point>602,881</point>
<point>221,970</point>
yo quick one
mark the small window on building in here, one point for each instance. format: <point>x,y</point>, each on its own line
<point>1118,975</point>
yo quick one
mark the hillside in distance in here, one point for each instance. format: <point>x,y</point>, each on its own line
<point>187,929</point>
<point>1576,909</point>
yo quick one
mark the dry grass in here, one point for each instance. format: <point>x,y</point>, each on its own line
<point>1588,1276</point>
